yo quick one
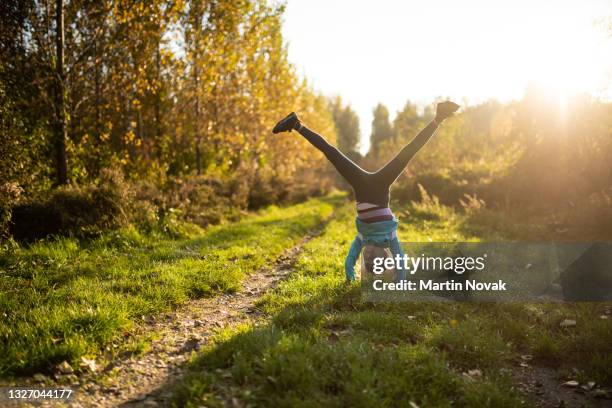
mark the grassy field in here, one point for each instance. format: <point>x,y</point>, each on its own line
<point>320,343</point>
<point>323,346</point>
<point>64,298</point>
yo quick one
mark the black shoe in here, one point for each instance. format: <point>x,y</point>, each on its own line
<point>287,124</point>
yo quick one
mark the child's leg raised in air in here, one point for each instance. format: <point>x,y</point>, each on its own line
<point>391,171</point>
<point>345,166</point>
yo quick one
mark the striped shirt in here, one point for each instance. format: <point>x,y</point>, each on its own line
<point>370,213</point>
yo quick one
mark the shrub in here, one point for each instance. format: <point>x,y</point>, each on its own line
<point>111,202</point>
<point>74,210</point>
<point>202,200</point>
<point>9,196</point>
<point>272,188</point>
<point>589,218</point>
<point>429,206</point>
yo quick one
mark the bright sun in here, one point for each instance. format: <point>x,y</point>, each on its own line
<point>560,56</point>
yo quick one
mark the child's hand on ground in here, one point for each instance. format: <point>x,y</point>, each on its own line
<point>445,109</point>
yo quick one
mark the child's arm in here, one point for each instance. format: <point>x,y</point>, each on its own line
<point>351,258</point>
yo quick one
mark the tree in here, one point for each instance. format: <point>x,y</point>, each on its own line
<point>60,97</point>
<point>381,128</point>
<point>156,89</point>
<point>407,122</point>
<point>347,126</point>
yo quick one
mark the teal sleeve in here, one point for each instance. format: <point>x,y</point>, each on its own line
<point>351,259</point>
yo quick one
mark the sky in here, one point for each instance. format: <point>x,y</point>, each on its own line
<point>472,50</point>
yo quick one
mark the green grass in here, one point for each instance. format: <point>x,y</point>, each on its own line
<point>61,299</point>
<point>324,346</point>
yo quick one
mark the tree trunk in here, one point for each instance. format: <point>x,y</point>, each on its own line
<point>98,91</point>
<point>60,95</point>
<point>98,104</point>
<point>158,96</point>
<point>198,134</point>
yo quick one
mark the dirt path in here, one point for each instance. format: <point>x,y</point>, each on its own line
<point>145,380</point>
<point>543,386</point>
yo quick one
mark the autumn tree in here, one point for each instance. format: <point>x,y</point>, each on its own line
<point>407,122</point>
<point>381,128</point>
<point>347,125</point>
<point>157,90</point>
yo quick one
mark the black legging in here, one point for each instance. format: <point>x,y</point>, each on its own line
<point>370,187</point>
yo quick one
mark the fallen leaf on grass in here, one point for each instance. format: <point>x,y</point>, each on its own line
<point>474,374</point>
<point>571,384</point>
<point>88,364</point>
